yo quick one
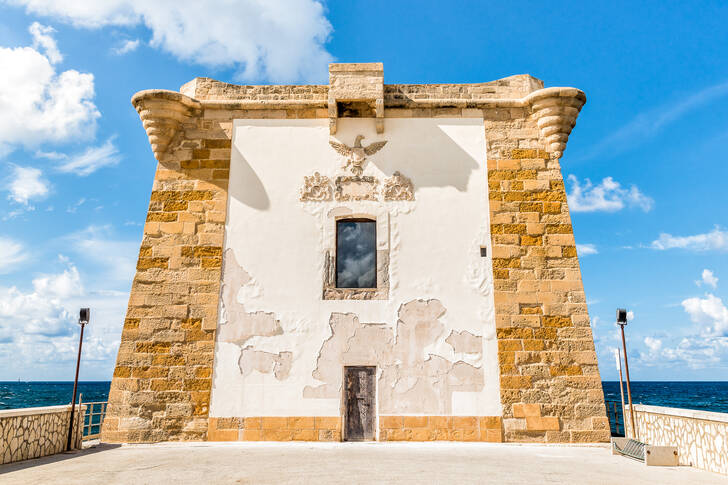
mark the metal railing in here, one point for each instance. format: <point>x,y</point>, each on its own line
<point>616,417</point>
<point>93,418</point>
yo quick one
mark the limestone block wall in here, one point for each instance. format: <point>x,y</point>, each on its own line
<point>701,437</point>
<point>35,432</point>
<point>161,384</point>
<point>550,385</point>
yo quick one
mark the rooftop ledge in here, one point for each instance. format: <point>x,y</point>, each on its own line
<point>555,108</point>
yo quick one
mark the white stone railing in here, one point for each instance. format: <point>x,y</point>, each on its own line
<point>701,437</point>
<point>34,432</point>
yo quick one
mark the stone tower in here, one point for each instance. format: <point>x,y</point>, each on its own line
<point>358,260</point>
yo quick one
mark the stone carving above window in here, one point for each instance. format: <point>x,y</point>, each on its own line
<point>317,187</point>
<point>357,154</point>
<point>398,187</point>
<point>356,188</point>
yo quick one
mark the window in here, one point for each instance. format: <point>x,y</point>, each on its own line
<point>356,253</point>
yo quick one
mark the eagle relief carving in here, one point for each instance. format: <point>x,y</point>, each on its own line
<point>357,155</point>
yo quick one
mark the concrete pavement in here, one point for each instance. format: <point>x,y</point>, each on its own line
<point>354,463</point>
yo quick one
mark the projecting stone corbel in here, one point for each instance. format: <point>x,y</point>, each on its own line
<point>162,113</point>
<point>556,110</point>
<point>356,82</point>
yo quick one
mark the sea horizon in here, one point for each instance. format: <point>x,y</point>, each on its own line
<point>700,395</point>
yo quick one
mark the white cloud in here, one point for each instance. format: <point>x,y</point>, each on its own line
<point>710,312</point>
<point>116,257</point>
<point>279,40</point>
<point>630,316</point>
<point>706,343</point>
<point>12,253</point>
<point>647,124</point>
<point>41,311</point>
<point>586,249</point>
<point>653,344</point>
<point>38,325</point>
<point>696,353</point>
<point>92,159</point>
<point>42,38</point>
<point>708,278</point>
<point>716,240</point>
<point>50,155</point>
<point>126,47</point>
<point>37,103</point>
<point>27,184</point>
<point>608,196</point>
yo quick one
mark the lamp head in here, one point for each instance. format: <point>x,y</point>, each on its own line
<point>621,316</point>
<point>84,316</point>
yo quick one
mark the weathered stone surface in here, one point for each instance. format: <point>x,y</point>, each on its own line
<point>35,432</point>
<point>411,380</point>
<point>533,249</point>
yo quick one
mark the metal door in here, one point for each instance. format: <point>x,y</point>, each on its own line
<point>359,398</point>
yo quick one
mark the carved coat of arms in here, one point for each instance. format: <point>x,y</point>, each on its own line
<point>357,155</point>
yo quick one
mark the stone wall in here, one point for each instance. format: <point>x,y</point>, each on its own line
<point>35,432</point>
<point>328,428</point>
<point>550,385</point>
<point>701,437</point>
<point>161,384</point>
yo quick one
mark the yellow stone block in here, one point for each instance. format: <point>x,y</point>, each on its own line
<point>269,423</point>
<point>390,422</point>
<point>305,435</point>
<point>252,435</point>
<point>252,423</point>
<point>464,422</point>
<point>422,434</point>
<point>301,422</point>
<point>327,422</point>
<point>490,422</point>
<point>415,422</point>
<point>440,422</point>
<point>222,435</point>
<point>521,410</point>
<point>492,435</point>
<point>277,434</point>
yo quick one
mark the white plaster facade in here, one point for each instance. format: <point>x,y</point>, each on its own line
<point>279,245</point>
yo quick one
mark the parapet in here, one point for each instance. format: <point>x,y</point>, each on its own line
<point>358,90</point>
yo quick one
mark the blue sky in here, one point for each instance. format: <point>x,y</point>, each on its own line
<point>645,167</point>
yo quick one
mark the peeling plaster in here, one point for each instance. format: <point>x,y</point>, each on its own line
<point>411,380</point>
<point>265,362</point>
<point>238,326</point>
<point>465,342</point>
<point>431,255</point>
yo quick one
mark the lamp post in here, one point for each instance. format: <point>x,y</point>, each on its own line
<point>622,321</point>
<point>83,318</point>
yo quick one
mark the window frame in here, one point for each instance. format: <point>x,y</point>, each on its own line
<point>329,289</point>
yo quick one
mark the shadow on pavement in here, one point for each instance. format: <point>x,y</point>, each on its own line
<point>45,460</point>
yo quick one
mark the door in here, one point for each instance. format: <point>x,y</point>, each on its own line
<point>359,398</point>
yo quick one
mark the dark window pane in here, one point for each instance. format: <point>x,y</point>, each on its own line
<point>356,254</point>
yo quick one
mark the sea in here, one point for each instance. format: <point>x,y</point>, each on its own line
<point>706,396</point>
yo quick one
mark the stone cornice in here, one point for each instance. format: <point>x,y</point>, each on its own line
<point>555,110</point>
<point>162,113</point>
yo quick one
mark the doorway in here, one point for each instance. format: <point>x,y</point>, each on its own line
<point>359,403</point>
